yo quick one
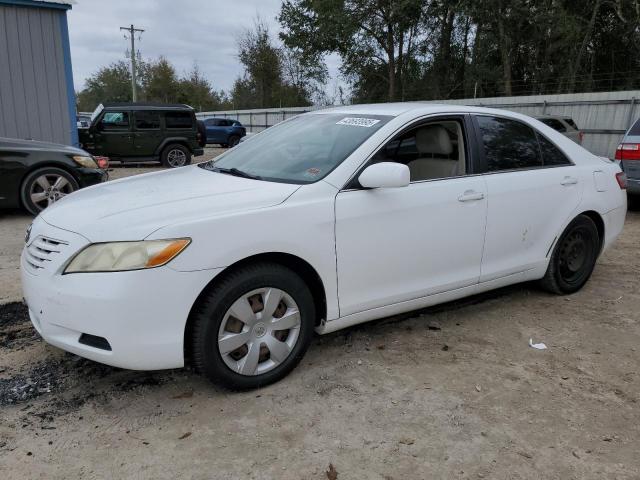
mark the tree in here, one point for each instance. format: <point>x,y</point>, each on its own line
<point>196,91</point>
<point>159,82</point>
<point>111,83</point>
<point>274,76</point>
<point>375,38</point>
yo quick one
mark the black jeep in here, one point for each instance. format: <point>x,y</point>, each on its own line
<point>141,132</point>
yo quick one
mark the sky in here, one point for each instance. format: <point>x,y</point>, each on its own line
<point>185,31</point>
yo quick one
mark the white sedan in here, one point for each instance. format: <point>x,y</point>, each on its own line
<point>326,220</point>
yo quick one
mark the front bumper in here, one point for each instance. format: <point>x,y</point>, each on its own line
<point>91,176</point>
<point>142,314</point>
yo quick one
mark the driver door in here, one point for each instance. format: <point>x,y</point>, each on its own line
<point>400,244</point>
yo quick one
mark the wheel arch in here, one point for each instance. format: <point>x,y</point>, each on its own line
<point>171,141</point>
<point>295,263</point>
<point>599,222</point>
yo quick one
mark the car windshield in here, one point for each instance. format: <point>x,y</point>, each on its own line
<point>96,112</point>
<point>303,149</point>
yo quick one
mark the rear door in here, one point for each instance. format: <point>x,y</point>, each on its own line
<point>532,189</point>
<point>114,136</point>
<point>147,134</point>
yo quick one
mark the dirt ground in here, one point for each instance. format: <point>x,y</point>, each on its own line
<point>450,392</point>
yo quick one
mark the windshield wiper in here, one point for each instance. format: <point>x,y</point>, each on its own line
<point>237,173</point>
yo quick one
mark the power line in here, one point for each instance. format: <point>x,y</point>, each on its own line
<point>132,36</point>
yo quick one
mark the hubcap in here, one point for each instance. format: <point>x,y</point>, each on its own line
<point>48,189</point>
<point>176,158</point>
<point>259,331</point>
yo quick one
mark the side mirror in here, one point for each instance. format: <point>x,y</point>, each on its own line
<point>385,175</point>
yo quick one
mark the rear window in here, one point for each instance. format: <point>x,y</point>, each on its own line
<point>551,155</point>
<point>508,144</point>
<point>147,120</point>
<point>571,122</point>
<point>635,130</point>
<point>178,120</point>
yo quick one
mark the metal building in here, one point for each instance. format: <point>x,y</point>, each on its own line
<point>37,98</point>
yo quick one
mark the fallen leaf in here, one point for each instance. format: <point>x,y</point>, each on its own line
<point>478,388</point>
<point>182,437</point>
<point>332,473</point>
<point>407,441</point>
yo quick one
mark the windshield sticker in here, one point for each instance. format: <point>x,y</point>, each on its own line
<point>312,172</point>
<point>358,122</point>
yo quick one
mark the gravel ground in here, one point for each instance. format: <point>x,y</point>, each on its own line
<point>449,392</point>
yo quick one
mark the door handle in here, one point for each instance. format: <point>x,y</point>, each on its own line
<point>569,181</point>
<point>470,195</point>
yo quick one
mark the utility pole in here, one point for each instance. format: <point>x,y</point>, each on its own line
<point>132,36</point>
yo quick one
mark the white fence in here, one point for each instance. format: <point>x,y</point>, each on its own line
<point>603,116</point>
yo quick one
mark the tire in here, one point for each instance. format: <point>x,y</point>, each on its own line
<point>233,141</point>
<point>253,345</point>
<point>175,156</point>
<point>45,186</point>
<point>574,257</point>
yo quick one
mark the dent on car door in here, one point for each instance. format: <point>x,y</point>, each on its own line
<point>399,244</point>
<point>533,189</point>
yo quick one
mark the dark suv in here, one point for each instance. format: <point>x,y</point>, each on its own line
<point>141,132</point>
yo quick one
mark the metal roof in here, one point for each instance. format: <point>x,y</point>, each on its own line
<point>58,4</point>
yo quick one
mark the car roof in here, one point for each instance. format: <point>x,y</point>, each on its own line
<point>415,109</point>
<point>147,106</point>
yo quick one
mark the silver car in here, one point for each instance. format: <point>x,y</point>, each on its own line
<point>628,152</point>
<point>564,125</point>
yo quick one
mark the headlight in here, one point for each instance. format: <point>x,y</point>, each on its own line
<point>123,256</point>
<point>86,162</point>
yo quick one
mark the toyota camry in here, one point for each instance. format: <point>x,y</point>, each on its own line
<point>326,220</point>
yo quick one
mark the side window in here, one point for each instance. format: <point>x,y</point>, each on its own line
<point>551,155</point>
<point>178,120</point>
<point>431,151</point>
<point>554,123</point>
<point>115,121</point>
<point>212,122</point>
<point>508,144</point>
<point>147,120</point>
<point>635,130</point>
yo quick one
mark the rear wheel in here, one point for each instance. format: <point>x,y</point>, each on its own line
<point>175,155</point>
<point>573,258</point>
<point>233,141</point>
<point>46,186</point>
<point>253,327</point>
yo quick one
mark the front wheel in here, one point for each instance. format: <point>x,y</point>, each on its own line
<point>175,155</point>
<point>253,327</point>
<point>573,258</point>
<point>46,186</point>
<point>233,141</point>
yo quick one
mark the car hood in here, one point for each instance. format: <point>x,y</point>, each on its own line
<point>23,145</point>
<point>133,208</point>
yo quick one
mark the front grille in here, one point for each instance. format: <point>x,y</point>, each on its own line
<point>42,251</point>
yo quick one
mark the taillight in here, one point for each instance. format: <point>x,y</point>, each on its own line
<point>103,162</point>
<point>621,178</point>
<point>628,151</point>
